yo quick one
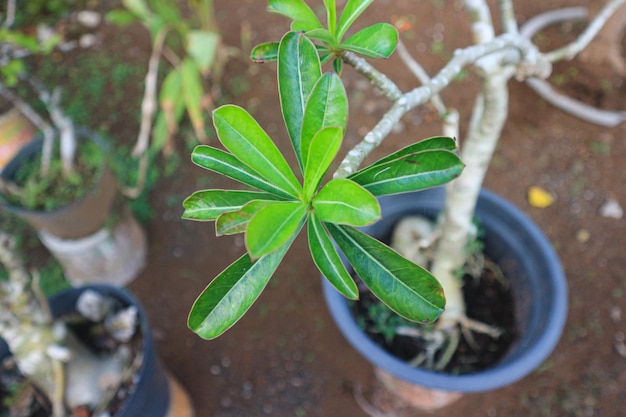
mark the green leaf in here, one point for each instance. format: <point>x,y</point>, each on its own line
<point>412,172</point>
<point>227,298</point>
<point>433,143</point>
<point>120,17</point>
<point>226,164</point>
<point>337,66</point>
<point>234,222</point>
<point>322,152</point>
<point>202,46</point>
<point>406,288</point>
<point>265,52</point>
<point>327,106</point>
<point>343,201</point>
<point>207,205</point>
<point>246,140</point>
<point>324,36</point>
<point>193,92</point>
<point>351,11</point>
<point>296,10</point>
<point>298,71</point>
<point>328,261</point>
<point>376,41</point>
<point>272,226</point>
<point>331,15</point>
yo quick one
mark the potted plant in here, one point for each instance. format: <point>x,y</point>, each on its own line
<point>86,351</point>
<point>60,181</point>
<point>314,108</point>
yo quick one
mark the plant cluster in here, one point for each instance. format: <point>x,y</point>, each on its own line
<point>315,109</point>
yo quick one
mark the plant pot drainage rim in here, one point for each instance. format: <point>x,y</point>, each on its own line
<point>545,311</point>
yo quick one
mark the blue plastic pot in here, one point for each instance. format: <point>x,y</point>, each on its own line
<point>528,260</point>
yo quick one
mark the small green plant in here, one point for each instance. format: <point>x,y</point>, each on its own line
<point>315,109</point>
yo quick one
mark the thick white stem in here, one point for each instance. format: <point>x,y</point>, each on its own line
<point>489,116</point>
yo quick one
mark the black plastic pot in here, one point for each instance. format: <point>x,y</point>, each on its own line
<point>151,394</point>
<point>528,260</point>
<point>79,218</point>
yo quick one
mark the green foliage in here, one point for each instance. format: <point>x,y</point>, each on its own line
<point>375,41</point>
<point>196,42</point>
<point>275,206</point>
<point>57,188</point>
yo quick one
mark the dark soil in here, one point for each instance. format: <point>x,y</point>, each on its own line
<point>286,357</point>
<point>490,302</point>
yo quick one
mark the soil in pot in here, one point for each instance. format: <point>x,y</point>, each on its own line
<point>56,188</point>
<point>489,301</point>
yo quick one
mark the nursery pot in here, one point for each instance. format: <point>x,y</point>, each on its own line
<point>528,261</point>
<point>155,393</point>
<point>150,396</point>
<point>78,218</point>
<point>80,235</point>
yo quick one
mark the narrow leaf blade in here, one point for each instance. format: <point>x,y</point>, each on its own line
<point>207,205</point>
<point>227,164</point>
<point>327,260</point>
<point>376,41</point>
<point>351,11</point>
<point>296,10</point>
<point>265,52</point>
<point>327,106</point>
<point>343,201</point>
<point>248,142</point>
<point>403,286</point>
<point>227,298</point>
<point>298,71</point>
<point>234,222</point>
<point>433,143</point>
<point>272,226</point>
<point>322,152</point>
<point>412,172</point>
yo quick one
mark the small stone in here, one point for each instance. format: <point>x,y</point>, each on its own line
<point>122,326</point>
<point>583,236</point>
<point>87,40</point>
<point>93,305</point>
<point>616,314</point>
<point>215,370</point>
<point>88,18</point>
<point>612,209</point>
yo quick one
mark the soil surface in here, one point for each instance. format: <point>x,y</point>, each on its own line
<point>286,357</point>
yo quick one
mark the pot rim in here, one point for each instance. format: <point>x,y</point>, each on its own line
<point>507,370</point>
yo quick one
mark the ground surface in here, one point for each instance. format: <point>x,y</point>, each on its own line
<point>286,357</point>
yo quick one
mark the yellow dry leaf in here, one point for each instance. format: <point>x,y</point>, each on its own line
<point>540,198</point>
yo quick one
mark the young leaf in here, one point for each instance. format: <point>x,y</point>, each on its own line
<point>351,11</point>
<point>298,71</point>
<point>265,52</point>
<point>433,143</point>
<point>328,261</point>
<point>331,15</point>
<point>343,201</point>
<point>227,298</point>
<point>327,106</point>
<point>249,143</point>
<point>202,46</point>
<point>233,222</point>
<point>207,205</point>
<point>322,151</point>
<point>412,172</point>
<point>226,164</point>
<point>272,226</point>
<point>193,91</point>
<point>296,10</point>
<point>376,41</point>
<point>323,35</point>
<point>406,288</point>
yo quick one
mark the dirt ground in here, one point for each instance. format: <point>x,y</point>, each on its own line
<point>286,357</point>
